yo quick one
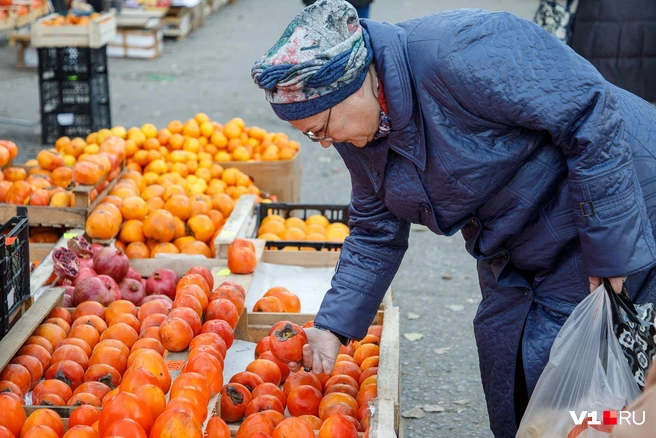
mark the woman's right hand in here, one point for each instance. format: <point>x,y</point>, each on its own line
<point>319,353</point>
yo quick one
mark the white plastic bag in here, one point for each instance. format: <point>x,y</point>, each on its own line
<point>587,372</point>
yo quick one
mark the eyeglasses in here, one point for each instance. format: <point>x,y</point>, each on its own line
<point>324,137</point>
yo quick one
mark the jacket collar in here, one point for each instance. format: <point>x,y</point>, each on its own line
<point>388,42</point>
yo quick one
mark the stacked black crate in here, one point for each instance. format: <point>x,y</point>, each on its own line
<point>74,90</point>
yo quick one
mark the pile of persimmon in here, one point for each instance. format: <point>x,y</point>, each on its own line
<point>48,179</point>
<point>335,404</point>
<point>278,300</point>
<point>316,228</point>
<point>151,214</point>
<point>241,257</point>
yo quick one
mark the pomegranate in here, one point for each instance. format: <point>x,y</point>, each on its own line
<point>132,290</point>
<point>66,264</point>
<point>84,274</point>
<point>80,247</point>
<point>143,282</point>
<point>68,290</point>
<point>95,247</point>
<point>112,262</point>
<point>93,289</point>
<point>164,298</point>
<point>132,273</point>
<point>162,281</point>
<point>112,285</point>
<point>69,301</point>
<point>85,262</point>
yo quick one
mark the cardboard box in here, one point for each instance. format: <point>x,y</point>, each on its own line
<point>97,34</point>
<point>280,178</point>
<point>136,43</point>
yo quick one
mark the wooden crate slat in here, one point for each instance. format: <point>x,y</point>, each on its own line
<point>236,225</point>
<point>96,34</point>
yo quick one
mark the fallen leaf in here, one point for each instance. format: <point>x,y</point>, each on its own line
<point>456,307</point>
<point>460,411</point>
<point>446,276</point>
<point>413,315</point>
<point>433,408</point>
<point>413,336</point>
<point>415,412</point>
<point>442,350</point>
<point>461,402</point>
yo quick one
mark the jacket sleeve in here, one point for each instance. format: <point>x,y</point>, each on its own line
<point>370,257</point>
<point>511,72</point>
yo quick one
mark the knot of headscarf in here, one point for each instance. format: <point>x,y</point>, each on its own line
<point>320,60</point>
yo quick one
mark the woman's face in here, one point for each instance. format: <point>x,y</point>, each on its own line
<point>354,120</point>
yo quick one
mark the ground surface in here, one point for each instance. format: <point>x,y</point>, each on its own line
<point>209,72</point>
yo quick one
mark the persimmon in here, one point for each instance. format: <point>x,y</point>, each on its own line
<point>314,421</point>
<point>40,431</point>
<point>81,431</point>
<point>136,377</point>
<point>286,341</point>
<point>84,398</point>
<point>18,193</point>
<point>150,332</point>
<point>84,415</point>
<point>263,403</point>
<point>110,356</point>
<point>86,333</point>
<point>154,363</point>
<point>125,405</point>
<point>234,400</point>
<point>78,343</point>
<point>37,351</point>
<point>195,291</point>
<point>195,396</point>
<point>370,362</point>
<point>346,357</point>
<point>217,428</point>
<point>198,412</point>
<point>51,332</point>
<point>11,387</point>
<point>333,399</point>
<point>51,386</point>
<point>268,388</point>
<point>235,285</point>
<point>373,371</point>
<point>103,373</point>
<point>122,332</point>
<point>98,389</point>
<point>210,367</point>
<point>231,294</point>
<point>207,349</point>
<point>61,312</point>
<point>51,400</point>
<point>94,321</point>
<point>304,400</point>
<point>366,394</point>
<point>175,333</point>
<point>119,307</point>
<point>343,388</point>
<point>153,397</point>
<point>301,378</point>
<point>290,301</point>
<point>241,243</point>
<point>364,351</point>
<point>189,315</point>
<point>112,343</point>
<point>196,380</point>
<point>256,423</point>
<point>159,225</point>
<point>283,366</point>
<point>194,279</point>
<point>87,308</point>
<point>348,368</point>
<point>128,319</point>
<point>12,415</point>
<point>262,346</point>
<point>221,328</point>
<point>19,375</point>
<point>175,423</point>
<point>151,308</point>
<point>154,320</point>
<point>32,365</point>
<point>242,261</point>
<point>68,371</point>
<point>148,343</point>
<point>268,304</point>
<point>294,427</point>
<point>60,322</point>
<point>70,352</point>
<point>190,301</point>
<point>337,425</point>
<point>40,340</point>
<point>211,339</point>
<point>125,427</point>
<point>137,250</point>
<point>222,309</point>
<point>267,370</point>
<point>205,273</point>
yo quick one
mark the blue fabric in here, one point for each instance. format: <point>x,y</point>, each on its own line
<point>507,135</point>
<point>363,11</point>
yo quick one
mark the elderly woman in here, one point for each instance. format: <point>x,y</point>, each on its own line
<point>482,123</point>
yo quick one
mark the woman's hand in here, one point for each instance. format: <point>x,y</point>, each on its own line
<point>616,283</point>
<point>319,353</point>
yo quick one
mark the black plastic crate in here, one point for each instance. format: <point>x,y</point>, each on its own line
<point>334,213</point>
<point>74,89</point>
<point>14,266</point>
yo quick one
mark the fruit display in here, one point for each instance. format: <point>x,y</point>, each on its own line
<point>70,19</point>
<point>195,144</point>
<point>278,300</point>
<point>157,213</point>
<point>267,399</point>
<point>316,228</point>
<point>49,179</point>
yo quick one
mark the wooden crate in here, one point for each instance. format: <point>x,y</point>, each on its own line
<point>26,55</point>
<point>136,43</point>
<point>280,178</point>
<point>177,23</point>
<point>67,217</point>
<point>97,34</point>
<point>140,18</point>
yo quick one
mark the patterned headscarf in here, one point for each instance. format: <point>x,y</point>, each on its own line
<point>321,59</point>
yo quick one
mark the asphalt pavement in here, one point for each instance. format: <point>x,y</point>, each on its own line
<point>436,287</point>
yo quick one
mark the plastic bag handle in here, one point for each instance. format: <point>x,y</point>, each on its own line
<point>623,301</point>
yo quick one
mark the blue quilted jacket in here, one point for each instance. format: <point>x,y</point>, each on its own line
<point>507,135</point>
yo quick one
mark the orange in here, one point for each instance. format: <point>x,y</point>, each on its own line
<point>232,130</point>
<point>317,219</point>
<point>191,129</point>
<point>134,207</point>
<point>295,222</point>
<point>273,227</point>
<point>293,234</point>
<point>219,140</point>
<point>152,191</point>
<point>175,127</point>
<point>230,175</point>
<point>176,141</point>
